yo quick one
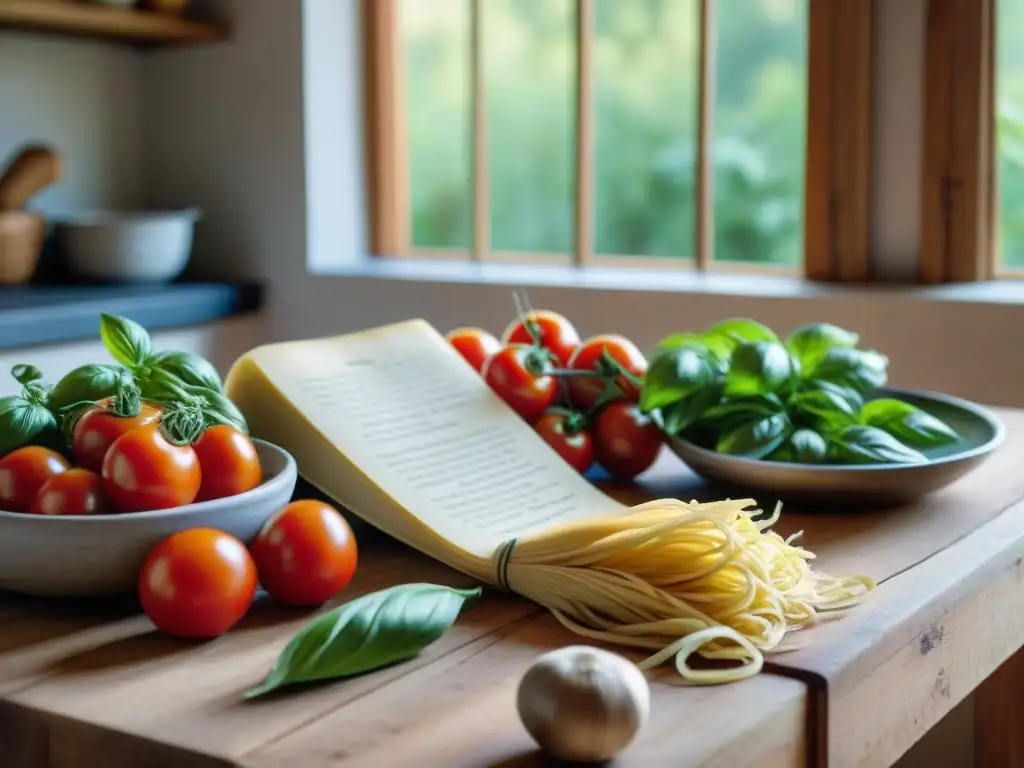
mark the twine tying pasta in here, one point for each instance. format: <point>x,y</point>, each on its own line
<point>682,578</point>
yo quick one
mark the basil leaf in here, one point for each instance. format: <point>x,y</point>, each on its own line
<point>23,422</point>
<point>862,370</point>
<point>742,330</point>
<point>26,374</point>
<point>370,632</point>
<point>217,408</point>
<point>685,412</point>
<point>757,368</point>
<point>810,343</point>
<point>830,405</point>
<point>189,368</point>
<point>908,424</point>
<point>127,341</point>
<point>163,387</point>
<point>858,444</point>
<point>747,406</point>
<point>90,382</point>
<point>756,438</point>
<point>673,374</point>
<point>808,446</point>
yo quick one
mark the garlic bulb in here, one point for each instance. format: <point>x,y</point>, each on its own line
<point>583,704</point>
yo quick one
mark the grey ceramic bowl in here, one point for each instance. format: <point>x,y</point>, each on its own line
<point>861,485</point>
<point>102,554</point>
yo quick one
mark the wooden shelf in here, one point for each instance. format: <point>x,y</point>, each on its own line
<point>77,18</point>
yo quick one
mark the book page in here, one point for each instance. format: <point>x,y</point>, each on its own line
<point>405,408</point>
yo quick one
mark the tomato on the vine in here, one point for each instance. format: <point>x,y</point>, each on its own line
<point>554,333</point>
<point>519,374</point>
<point>566,432</point>
<point>589,357</point>
<point>626,441</point>
<point>474,344</point>
<point>227,462</point>
<point>97,429</point>
<point>24,471</point>
<point>144,470</point>
<point>306,554</point>
<point>74,492</point>
<point>198,583</point>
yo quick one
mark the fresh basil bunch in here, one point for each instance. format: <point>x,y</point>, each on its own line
<point>165,377</point>
<point>25,418</point>
<point>737,388</point>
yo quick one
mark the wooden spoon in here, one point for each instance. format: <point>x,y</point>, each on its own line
<point>32,170</point>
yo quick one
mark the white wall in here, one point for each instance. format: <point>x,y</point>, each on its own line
<point>83,97</point>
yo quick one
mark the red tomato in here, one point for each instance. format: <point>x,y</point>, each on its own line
<point>557,334</point>
<point>198,583</point>
<point>569,439</point>
<point>626,441</point>
<point>144,471</point>
<point>98,428</point>
<point>227,461</point>
<point>23,472</point>
<point>585,392</point>
<point>519,376</point>
<point>306,554</point>
<point>474,344</point>
<point>74,492</point>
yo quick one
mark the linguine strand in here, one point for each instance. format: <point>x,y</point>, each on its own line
<point>681,578</point>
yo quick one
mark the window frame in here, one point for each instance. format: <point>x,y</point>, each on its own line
<point>838,140</point>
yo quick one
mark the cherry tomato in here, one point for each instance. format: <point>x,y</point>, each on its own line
<point>227,461</point>
<point>144,471</point>
<point>74,492</point>
<point>557,334</point>
<point>569,437</point>
<point>306,554</point>
<point>98,428</point>
<point>24,471</point>
<point>474,344</point>
<point>518,375</point>
<point>585,392</point>
<point>198,583</point>
<point>626,441</point>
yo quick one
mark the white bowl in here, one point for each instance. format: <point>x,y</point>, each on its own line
<point>128,246</point>
<point>102,554</point>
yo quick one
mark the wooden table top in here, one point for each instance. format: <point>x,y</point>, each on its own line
<point>96,685</point>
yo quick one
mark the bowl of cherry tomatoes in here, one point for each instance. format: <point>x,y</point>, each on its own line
<point>82,521</point>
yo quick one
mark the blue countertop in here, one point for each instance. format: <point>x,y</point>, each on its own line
<point>49,314</point>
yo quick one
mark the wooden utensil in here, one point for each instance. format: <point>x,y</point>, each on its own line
<point>21,240</point>
<point>33,169</point>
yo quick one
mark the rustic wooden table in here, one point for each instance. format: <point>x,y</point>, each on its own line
<point>89,684</point>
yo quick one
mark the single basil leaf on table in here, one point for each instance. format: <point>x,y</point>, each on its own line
<point>809,343</point>
<point>681,414</point>
<point>189,368</point>
<point>858,444</point>
<point>672,375</point>
<point>367,633</point>
<point>908,424</point>
<point>862,370</point>
<point>127,341</point>
<point>756,438</point>
<point>89,382</point>
<point>757,368</point>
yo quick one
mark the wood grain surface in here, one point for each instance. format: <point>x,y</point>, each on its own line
<point>94,684</point>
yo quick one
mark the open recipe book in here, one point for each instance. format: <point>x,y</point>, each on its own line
<point>395,426</point>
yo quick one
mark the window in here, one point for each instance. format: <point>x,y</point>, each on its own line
<point>650,132</point>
